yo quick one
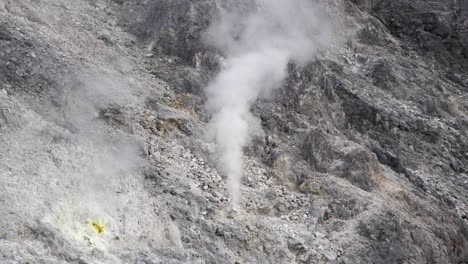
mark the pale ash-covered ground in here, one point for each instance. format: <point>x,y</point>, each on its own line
<point>362,160</point>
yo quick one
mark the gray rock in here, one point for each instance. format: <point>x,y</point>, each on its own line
<point>365,158</point>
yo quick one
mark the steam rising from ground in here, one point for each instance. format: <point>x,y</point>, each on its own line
<point>60,173</point>
<point>258,46</point>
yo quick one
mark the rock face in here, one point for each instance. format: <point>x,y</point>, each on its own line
<point>101,121</point>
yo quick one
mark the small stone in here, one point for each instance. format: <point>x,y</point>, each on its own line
<point>212,200</point>
<point>219,232</point>
<point>233,213</point>
<point>319,235</point>
<point>297,246</point>
<point>4,34</point>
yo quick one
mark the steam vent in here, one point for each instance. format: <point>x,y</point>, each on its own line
<point>237,132</point>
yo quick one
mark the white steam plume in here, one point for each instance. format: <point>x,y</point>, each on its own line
<point>258,46</point>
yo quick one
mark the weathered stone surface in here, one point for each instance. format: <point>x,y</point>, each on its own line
<point>364,158</point>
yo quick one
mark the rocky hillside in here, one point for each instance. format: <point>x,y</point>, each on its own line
<point>362,157</point>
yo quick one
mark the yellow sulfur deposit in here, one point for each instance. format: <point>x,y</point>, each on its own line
<point>97,227</point>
